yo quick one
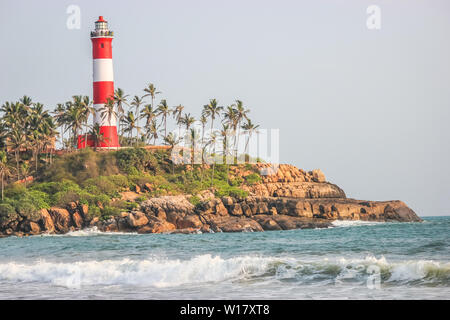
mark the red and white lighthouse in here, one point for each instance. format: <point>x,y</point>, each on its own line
<point>103,83</point>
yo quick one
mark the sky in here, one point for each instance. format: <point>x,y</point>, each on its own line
<point>369,107</point>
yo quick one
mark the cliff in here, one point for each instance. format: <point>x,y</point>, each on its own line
<point>289,198</point>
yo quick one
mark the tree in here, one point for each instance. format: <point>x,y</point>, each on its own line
<point>152,131</point>
<point>249,128</point>
<point>120,98</point>
<point>137,102</point>
<point>130,124</point>
<point>213,141</point>
<point>187,120</point>
<point>4,170</point>
<point>16,142</point>
<point>171,140</point>
<point>241,114</point>
<point>152,92</point>
<point>212,110</point>
<point>164,110</point>
<point>96,136</point>
<point>177,112</point>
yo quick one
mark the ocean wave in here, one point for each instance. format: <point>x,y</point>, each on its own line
<point>355,223</point>
<point>163,272</point>
<point>86,232</point>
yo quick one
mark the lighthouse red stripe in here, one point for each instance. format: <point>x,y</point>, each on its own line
<point>102,91</point>
<point>101,48</point>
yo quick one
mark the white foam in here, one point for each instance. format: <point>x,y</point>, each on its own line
<point>355,223</point>
<point>163,272</point>
<point>87,232</point>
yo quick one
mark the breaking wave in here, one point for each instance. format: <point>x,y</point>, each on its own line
<point>163,272</point>
<point>355,223</point>
<point>86,232</point>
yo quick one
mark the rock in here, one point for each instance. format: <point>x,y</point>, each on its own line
<point>84,210</point>
<point>31,227</point>
<point>46,221</point>
<point>157,227</point>
<point>137,219</point>
<point>318,175</point>
<point>148,187</point>
<point>273,211</point>
<point>227,201</point>
<point>108,225</point>
<point>189,221</point>
<point>236,210</point>
<point>61,219</point>
<point>77,220</point>
<point>94,222</point>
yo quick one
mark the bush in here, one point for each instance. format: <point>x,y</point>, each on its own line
<point>119,181</point>
<point>7,213</point>
<point>103,184</point>
<point>109,212</point>
<point>138,158</point>
<point>253,178</point>
<point>27,209</point>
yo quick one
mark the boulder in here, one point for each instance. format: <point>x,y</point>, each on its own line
<point>189,221</point>
<point>77,220</point>
<point>46,221</point>
<point>157,227</point>
<point>61,219</point>
<point>137,219</point>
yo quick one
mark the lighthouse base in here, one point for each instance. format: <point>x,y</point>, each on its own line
<point>108,140</point>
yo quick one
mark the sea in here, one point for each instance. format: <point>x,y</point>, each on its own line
<point>351,260</point>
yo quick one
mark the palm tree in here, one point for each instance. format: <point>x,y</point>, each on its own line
<point>97,137</point>
<point>164,110</point>
<point>149,114</point>
<point>59,115</point>
<point>203,120</point>
<point>187,120</point>
<point>151,91</point>
<point>212,110</point>
<point>241,114</point>
<point>108,111</point>
<point>4,170</point>
<point>120,99</point>
<point>152,131</point>
<point>130,124</point>
<point>137,101</point>
<point>212,141</point>
<point>224,133</point>
<point>230,117</point>
<point>177,112</point>
<point>249,128</point>
<point>16,142</point>
<point>171,140</point>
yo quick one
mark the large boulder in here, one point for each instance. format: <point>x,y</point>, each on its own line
<point>46,221</point>
<point>137,219</point>
<point>61,218</point>
<point>189,221</point>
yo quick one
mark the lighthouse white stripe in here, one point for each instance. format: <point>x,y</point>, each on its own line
<point>98,116</point>
<point>103,70</point>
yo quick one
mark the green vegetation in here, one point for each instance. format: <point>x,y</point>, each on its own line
<point>34,176</point>
<point>98,178</point>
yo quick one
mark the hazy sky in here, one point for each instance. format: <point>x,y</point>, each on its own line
<point>369,107</point>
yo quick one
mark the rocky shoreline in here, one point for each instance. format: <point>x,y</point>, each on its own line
<point>290,198</point>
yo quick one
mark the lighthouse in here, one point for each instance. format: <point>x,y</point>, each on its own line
<point>103,84</point>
